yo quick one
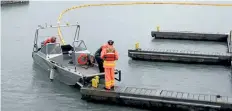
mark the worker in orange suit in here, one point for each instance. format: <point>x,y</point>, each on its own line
<point>109,56</point>
<point>99,59</point>
<point>50,40</point>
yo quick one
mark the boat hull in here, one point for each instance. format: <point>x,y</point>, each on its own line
<point>63,74</point>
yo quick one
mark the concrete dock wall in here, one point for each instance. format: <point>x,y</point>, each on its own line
<point>189,36</point>
<point>180,56</point>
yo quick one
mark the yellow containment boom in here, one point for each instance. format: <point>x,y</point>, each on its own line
<point>129,3</point>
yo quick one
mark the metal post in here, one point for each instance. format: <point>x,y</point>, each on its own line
<point>119,76</point>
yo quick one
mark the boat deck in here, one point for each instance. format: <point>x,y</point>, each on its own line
<point>85,71</point>
<point>157,96</point>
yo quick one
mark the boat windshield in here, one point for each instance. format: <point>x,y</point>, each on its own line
<point>53,48</point>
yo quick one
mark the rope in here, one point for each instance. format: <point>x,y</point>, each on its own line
<point>128,3</point>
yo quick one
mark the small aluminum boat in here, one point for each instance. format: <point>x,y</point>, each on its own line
<point>62,60</point>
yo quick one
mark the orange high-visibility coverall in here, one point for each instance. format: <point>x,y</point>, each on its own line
<point>109,66</point>
<point>49,40</point>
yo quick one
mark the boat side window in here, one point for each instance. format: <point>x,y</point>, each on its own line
<point>43,50</point>
<point>54,48</point>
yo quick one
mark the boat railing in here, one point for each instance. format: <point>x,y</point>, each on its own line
<point>36,48</point>
<point>56,26</point>
<point>79,45</point>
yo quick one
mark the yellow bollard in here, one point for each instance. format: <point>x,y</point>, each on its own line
<point>94,83</point>
<point>97,79</point>
<point>137,46</point>
<point>158,28</point>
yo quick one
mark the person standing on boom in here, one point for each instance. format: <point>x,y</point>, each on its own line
<point>109,56</point>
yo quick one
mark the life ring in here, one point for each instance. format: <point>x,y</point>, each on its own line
<point>81,57</point>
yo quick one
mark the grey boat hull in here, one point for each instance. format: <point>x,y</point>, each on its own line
<point>61,60</point>
<point>63,74</point>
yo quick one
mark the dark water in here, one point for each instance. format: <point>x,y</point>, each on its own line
<point>25,87</point>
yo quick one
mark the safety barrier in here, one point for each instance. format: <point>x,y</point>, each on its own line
<point>129,3</point>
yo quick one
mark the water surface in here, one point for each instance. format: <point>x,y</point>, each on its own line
<point>26,87</point>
